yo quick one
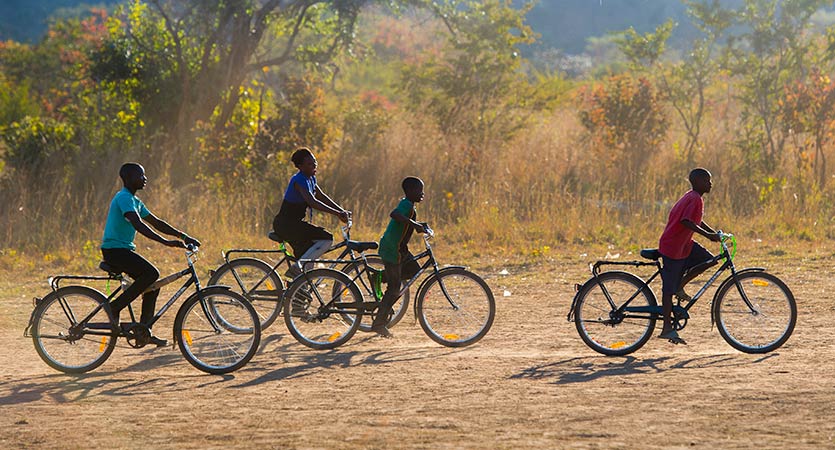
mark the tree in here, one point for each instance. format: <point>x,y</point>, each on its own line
<point>190,59</point>
<point>626,124</point>
<point>476,87</point>
<point>770,53</point>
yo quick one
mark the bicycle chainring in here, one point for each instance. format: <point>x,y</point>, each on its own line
<point>138,335</point>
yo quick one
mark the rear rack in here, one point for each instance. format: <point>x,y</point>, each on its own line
<point>595,268</point>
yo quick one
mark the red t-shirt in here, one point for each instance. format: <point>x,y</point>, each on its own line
<point>676,241</point>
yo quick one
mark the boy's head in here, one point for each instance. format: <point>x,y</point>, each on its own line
<point>304,160</point>
<point>133,176</point>
<point>700,179</point>
<point>413,188</point>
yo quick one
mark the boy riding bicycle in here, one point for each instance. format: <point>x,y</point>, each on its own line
<point>394,250</point>
<point>126,216</point>
<point>680,254</point>
<point>307,240</point>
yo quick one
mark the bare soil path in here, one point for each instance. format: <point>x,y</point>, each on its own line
<point>530,383</point>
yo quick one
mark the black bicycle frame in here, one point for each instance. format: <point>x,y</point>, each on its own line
<point>288,259</point>
<point>55,282</point>
<point>653,312</point>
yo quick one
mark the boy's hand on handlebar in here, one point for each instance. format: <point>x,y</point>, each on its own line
<point>345,216</point>
<point>424,227</point>
<point>715,237</point>
<point>191,241</point>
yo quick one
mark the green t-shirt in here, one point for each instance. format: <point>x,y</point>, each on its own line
<point>118,231</point>
<point>397,234</point>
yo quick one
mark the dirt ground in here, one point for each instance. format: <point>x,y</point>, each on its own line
<point>530,383</point>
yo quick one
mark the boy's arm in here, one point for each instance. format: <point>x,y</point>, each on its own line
<point>321,196</point>
<point>398,216</point>
<point>710,234</point>
<point>163,227</point>
<point>315,203</point>
<point>144,230</point>
<point>707,227</point>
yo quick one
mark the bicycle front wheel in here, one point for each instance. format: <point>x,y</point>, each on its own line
<point>761,324</point>
<point>455,308</point>
<point>601,326</point>
<point>258,283</point>
<point>58,340</point>
<point>322,308</point>
<point>399,308</point>
<point>209,343</point>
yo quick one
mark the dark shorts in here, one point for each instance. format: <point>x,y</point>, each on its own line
<point>300,234</point>
<point>673,270</point>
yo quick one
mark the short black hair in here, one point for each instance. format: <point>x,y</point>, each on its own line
<point>127,169</point>
<point>698,172</point>
<point>300,155</point>
<point>411,183</point>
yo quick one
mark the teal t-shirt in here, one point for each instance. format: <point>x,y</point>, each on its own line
<point>118,231</point>
<point>397,234</point>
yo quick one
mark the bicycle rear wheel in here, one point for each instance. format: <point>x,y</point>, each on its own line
<point>400,306</point>
<point>456,308</point>
<point>60,345</point>
<point>311,312</point>
<point>601,327</point>
<point>765,327</point>
<point>208,343</point>
<point>257,282</point>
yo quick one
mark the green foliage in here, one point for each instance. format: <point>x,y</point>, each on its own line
<point>644,50</point>
<point>770,53</point>
<point>15,101</point>
<point>33,142</point>
<point>476,87</point>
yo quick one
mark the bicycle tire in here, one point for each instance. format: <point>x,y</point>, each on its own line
<point>51,330</point>
<point>400,306</point>
<point>305,314</point>
<point>265,296</point>
<point>594,320</point>
<point>766,330</point>
<point>216,349</point>
<point>460,325</point>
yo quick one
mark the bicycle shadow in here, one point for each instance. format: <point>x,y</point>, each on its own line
<point>123,382</point>
<point>585,369</point>
<point>298,363</point>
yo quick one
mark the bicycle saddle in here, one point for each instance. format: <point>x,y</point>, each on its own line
<point>112,271</point>
<point>358,246</point>
<point>275,237</point>
<point>651,253</point>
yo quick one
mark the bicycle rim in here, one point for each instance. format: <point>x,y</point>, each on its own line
<point>600,327</point>
<point>54,342</point>
<point>400,306</point>
<point>770,323</point>
<point>209,344</point>
<point>308,312</point>
<point>257,282</point>
<point>456,308</point>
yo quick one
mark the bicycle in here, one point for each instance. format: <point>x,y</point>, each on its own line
<point>615,311</point>
<point>74,330</point>
<point>260,282</point>
<point>324,308</point>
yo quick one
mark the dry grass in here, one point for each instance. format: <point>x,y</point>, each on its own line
<point>530,196</point>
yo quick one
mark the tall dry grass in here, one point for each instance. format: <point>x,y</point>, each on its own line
<point>536,195</point>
